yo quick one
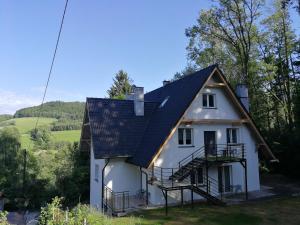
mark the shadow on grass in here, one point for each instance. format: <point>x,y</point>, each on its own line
<point>232,218</point>
<point>268,212</point>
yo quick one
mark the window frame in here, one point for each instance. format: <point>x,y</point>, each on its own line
<point>208,102</point>
<point>184,136</point>
<point>229,131</point>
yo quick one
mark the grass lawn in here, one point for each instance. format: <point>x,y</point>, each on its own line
<point>276,211</point>
<point>66,135</point>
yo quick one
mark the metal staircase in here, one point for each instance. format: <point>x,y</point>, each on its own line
<point>209,189</point>
<point>168,179</point>
<point>220,154</point>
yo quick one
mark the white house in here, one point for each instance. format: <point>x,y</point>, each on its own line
<point>189,139</point>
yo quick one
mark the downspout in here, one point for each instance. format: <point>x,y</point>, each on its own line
<point>147,201</point>
<point>103,170</point>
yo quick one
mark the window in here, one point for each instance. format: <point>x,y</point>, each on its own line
<point>185,136</point>
<point>225,178</point>
<point>232,135</point>
<point>96,172</point>
<point>209,101</point>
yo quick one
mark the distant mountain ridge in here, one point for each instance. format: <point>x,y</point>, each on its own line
<point>55,109</point>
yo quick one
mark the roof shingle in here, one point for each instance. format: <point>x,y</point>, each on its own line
<point>117,132</point>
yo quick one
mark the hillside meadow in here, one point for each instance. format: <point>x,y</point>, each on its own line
<point>26,124</point>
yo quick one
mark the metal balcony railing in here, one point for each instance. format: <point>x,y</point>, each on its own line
<point>218,152</point>
<point>116,201</point>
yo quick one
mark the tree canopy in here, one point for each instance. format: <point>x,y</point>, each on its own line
<point>122,85</point>
<point>262,51</point>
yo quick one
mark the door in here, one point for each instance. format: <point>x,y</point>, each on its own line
<point>224,178</point>
<point>197,176</point>
<point>210,142</point>
<point>227,178</point>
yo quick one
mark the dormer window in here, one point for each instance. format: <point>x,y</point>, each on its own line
<point>209,101</point>
<point>185,136</point>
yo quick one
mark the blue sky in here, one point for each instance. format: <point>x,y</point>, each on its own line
<point>144,38</point>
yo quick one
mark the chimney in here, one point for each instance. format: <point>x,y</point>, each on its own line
<point>138,98</point>
<point>242,93</point>
<point>165,82</point>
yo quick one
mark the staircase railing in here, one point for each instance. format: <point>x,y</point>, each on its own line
<point>196,154</point>
<point>163,177</point>
<point>230,151</point>
<point>213,187</point>
<point>116,201</point>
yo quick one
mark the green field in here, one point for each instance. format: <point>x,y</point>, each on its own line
<point>66,135</point>
<point>24,125</point>
<point>267,212</point>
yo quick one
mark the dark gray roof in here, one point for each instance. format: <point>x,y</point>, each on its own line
<point>115,129</point>
<point>180,94</point>
<point>117,132</point>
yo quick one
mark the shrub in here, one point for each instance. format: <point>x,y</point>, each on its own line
<point>53,214</point>
<point>3,218</point>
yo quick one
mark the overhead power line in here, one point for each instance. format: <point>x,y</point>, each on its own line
<point>52,64</point>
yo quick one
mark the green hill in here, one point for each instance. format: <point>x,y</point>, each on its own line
<point>25,125</point>
<point>63,119</point>
<point>56,109</point>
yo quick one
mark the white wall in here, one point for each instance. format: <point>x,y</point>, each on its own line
<point>122,176</point>
<point>173,153</point>
<point>119,176</point>
<point>96,185</point>
<point>224,107</point>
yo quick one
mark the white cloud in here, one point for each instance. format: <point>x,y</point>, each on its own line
<point>11,101</point>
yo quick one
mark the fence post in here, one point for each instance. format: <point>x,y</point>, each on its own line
<point>161,176</point>
<point>112,201</point>
<point>123,201</point>
<point>221,193</point>
<point>243,151</point>
<point>106,197</point>
<point>172,177</point>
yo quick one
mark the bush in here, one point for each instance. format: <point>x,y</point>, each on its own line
<point>41,137</point>
<point>3,218</point>
<point>53,214</point>
<point>5,117</point>
<point>64,124</point>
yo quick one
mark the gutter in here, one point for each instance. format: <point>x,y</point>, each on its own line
<point>102,179</point>
<point>146,175</point>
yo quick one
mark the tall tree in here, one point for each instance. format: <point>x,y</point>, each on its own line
<point>227,33</point>
<point>189,69</point>
<point>277,46</point>
<point>122,85</point>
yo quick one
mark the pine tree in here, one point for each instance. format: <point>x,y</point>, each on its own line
<point>122,85</point>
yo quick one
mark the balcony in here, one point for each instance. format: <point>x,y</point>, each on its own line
<point>215,153</point>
